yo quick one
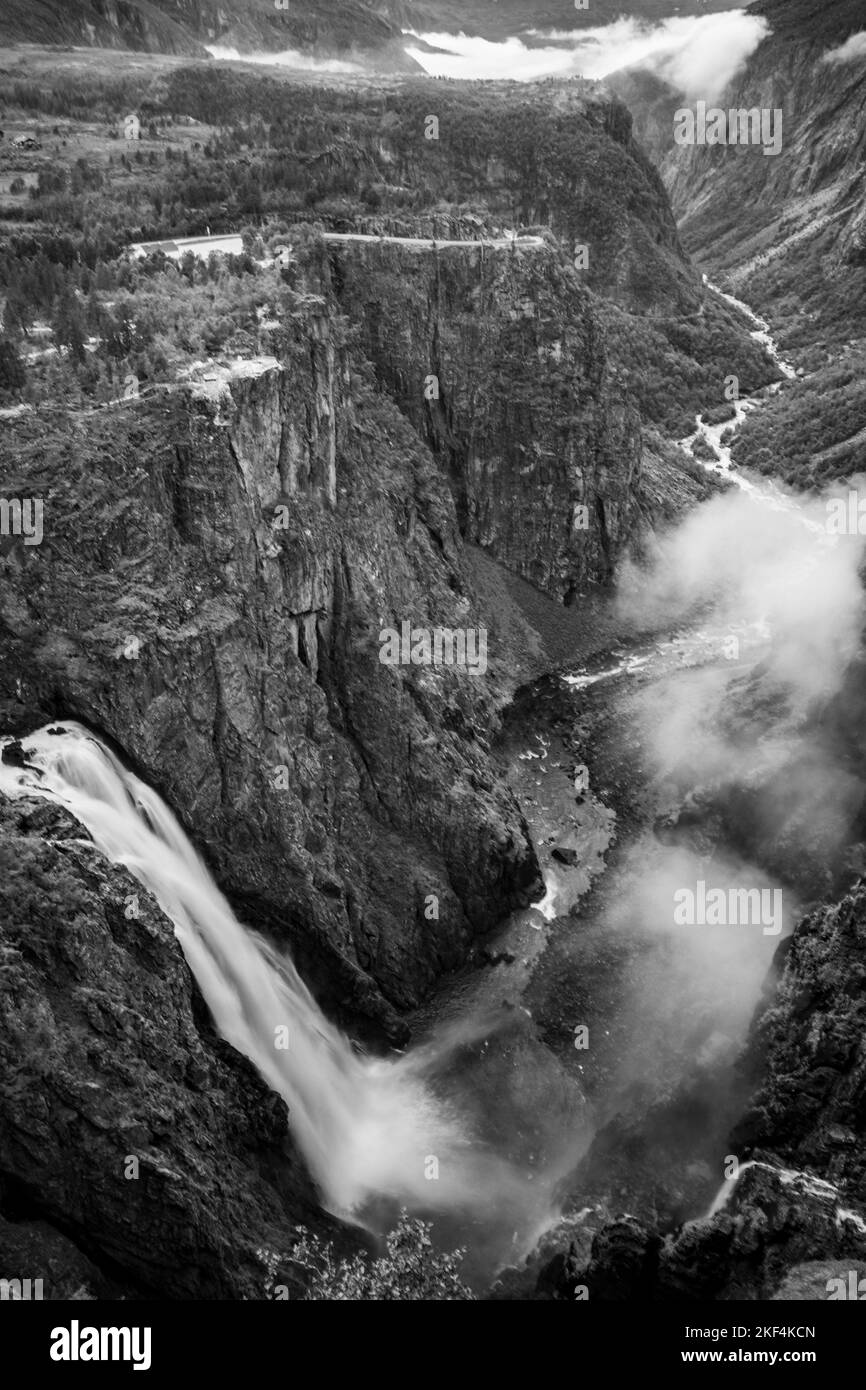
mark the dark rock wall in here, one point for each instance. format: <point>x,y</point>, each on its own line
<point>497,358</point>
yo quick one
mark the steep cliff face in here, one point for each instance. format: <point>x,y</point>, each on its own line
<point>217,567</point>
<point>386,155</point>
<point>806,1055</point>
<point>156,1161</point>
<point>495,356</point>
<point>561,155</point>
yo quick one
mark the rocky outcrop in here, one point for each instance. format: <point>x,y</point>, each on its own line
<point>807,1057</point>
<point>218,565</point>
<point>139,1154</point>
<point>560,156</point>
<point>794,1219</point>
<point>781,1234</point>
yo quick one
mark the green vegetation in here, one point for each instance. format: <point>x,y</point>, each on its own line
<point>266,147</point>
<point>808,433</point>
<point>127,317</point>
<point>808,296</point>
<point>224,149</point>
<point>410,1269</point>
<point>676,368</point>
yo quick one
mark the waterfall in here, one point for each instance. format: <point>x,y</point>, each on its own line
<point>808,1182</point>
<point>367,1127</point>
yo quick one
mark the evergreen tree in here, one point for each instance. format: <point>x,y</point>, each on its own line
<point>69,326</point>
<point>12,374</point>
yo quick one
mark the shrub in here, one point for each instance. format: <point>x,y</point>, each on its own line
<point>410,1268</point>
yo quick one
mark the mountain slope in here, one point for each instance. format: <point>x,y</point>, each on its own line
<point>786,233</point>
<point>134,24</point>
<point>186,26</point>
<point>790,227</point>
<point>806,205</point>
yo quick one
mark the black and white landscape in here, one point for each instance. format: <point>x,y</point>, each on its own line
<point>432,666</point>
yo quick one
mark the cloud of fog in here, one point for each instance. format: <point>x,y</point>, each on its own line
<point>850,51</point>
<point>472,58</point>
<point>761,563</point>
<point>719,737</point>
<point>290,58</point>
<point>699,55</point>
<point>687,999</point>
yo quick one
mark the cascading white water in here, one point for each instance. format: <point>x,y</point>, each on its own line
<point>366,1127</point>
<point>788,1177</point>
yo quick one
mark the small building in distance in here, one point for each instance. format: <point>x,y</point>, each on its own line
<point>201,246</point>
<point>132,128</point>
<point>26,142</point>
